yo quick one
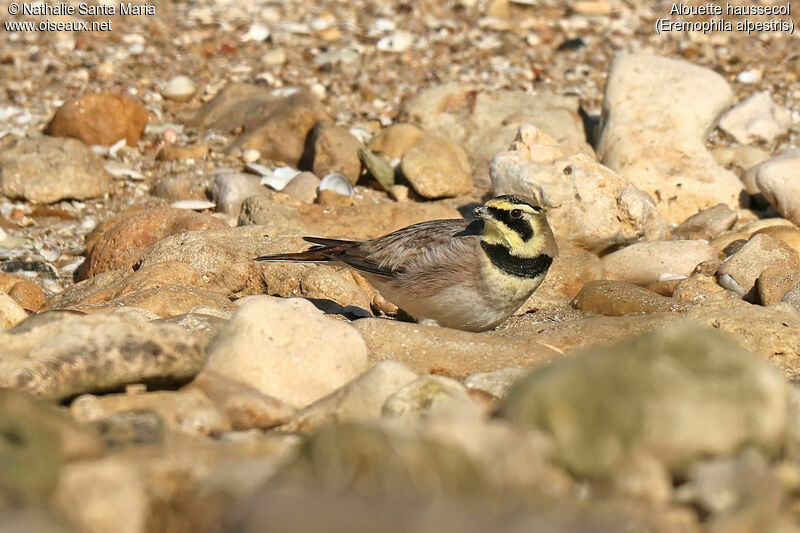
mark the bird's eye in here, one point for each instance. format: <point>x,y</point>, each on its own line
<point>516,213</point>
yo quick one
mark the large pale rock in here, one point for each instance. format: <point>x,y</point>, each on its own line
<point>100,119</point>
<point>484,122</point>
<point>46,170</point>
<point>437,167</point>
<point>122,245</point>
<point>644,263</point>
<point>657,113</point>
<point>777,180</point>
<point>276,125</point>
<point>706,224</point>
<point>756,118</point>
<point>360,400</point>
<point>617,298</point>
<point>677,395</point>
<point>287,350</point>
<point>587,204</point>
<point>62,356</point>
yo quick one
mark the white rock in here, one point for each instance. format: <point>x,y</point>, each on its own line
<point>197,205</point>
<point>250,155</point>
<point>644,263</point>
<point>179,88</point>
<point>749,76</point>
<point>287,349</point>
<point>657,113</point>
<point>397,42</point>
<point>757,117</point>
<point>586,203</point>
<point>257,32</point>
<point>777,178</point>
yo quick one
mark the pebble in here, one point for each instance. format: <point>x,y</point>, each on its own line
<point>335,151</point>
<point>757,118</point>
<point>437,167</point>
<point>250,156</point>
<point>587,204</point>
<point>26,170</point>
<point>642,112</point>
<point>608,403</point>
<point>392,142</point>
<point>644,263</point>
<point>179,89</point>
<point>431,397</point>
<point>749,77</point>
<point>11,312</point>
<point>758,254</point>
<point>102,119</point>
<point>706,224</point>
<point>774,282</point>
<point>378,167</point>
<point>287,349</point>
<point>618,298</point>
<point>304,187</point>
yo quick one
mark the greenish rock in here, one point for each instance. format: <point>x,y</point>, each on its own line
<point>676,394</point>
<point>377,165</point>
<point>377,460</point>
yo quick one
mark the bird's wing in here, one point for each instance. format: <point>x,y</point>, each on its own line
<point>409,247</point>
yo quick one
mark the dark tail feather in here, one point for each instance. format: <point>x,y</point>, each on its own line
<point>316,254</point>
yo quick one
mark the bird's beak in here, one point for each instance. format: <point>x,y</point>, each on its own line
<point>481,212</point>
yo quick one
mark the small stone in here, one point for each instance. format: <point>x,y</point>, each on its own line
<point>137,427</point>
<point>245,406</point>
<point>179,89</point>
<point>399,193</point>
<point>792,297</point>
<point>644,263</point>
<point>46,170</point>
<point>274,57</point>
<point>228,191</point>
<point>758,254</point>
<point>11,313</point>
<point>497,382</point>
<point>303,187</point>
<point>437,167</point>
<point>334,150</point>
<point>749,77</point>
<point>176,153</point>
<point>27,294</point>
<point>287,349</point>
<point>592,8</point>
<point>393,141</point>
<point>430,397</point>
<point>774,282</point>
<point>376,165</point>
<point>777,180</point>
<point>100,119</point>
<point>706,224</point>
<point>617,298</point>
<point>757,118</point>
<point>250,156</point>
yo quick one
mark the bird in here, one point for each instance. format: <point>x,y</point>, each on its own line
<point>467,274</point>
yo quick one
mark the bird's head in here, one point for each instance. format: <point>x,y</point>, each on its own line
<point>519,224</point>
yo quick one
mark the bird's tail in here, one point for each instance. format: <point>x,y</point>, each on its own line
<point>321,253</point>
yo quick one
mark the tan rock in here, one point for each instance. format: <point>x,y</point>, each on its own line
<point>775,178</point>
<point>617,298</point>
<point>164,300</point>
<point>706,224</point>
<point>27,294</point>
<point>46,170</point>
<point>122,245</point>
<point>176,153</point>
<point>303,187</point>
<point>334,150</point>
<point>188,412</point>
<point>437,167</point>
<point>788,234</point>
<point>646,262</point>
<point>758,254</point>
<point>103,119</point>
<point>11,313</point>
<point>392,142</point>
<point>774,282</point>
<point>287,349</point>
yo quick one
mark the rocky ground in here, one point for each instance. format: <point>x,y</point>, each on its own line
<point>153,378</point>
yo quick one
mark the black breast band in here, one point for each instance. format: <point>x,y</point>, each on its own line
<point>522,267</point>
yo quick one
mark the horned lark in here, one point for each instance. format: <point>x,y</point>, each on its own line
<point>464,274</point>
